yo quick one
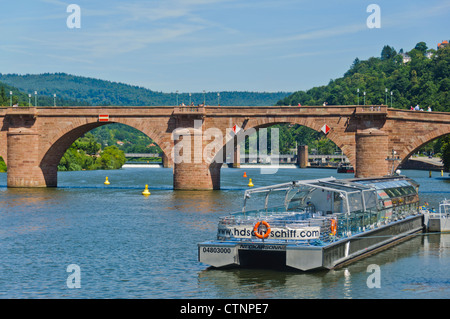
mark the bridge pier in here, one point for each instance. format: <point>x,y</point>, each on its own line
<point>237,156</point>
<point>371,153</point>
<point>193,166</point>
<point>196,176</point>
<point>302,156</point>
<point>166,162</point>
<point>23,160</point>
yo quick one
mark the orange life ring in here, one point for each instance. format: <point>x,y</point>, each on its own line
<point>333,227</point>
<point>266,234</point>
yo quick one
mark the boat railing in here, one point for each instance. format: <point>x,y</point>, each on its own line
<point>273,214</point>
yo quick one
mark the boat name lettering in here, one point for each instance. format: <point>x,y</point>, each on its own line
<point>304,233</point>
<point>261,247</point>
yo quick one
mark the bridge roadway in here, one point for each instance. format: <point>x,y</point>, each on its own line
<point>33,140</point>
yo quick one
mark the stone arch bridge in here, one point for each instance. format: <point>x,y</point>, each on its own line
<point>33,140</point>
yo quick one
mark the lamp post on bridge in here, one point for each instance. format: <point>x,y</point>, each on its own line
<point>357,90</point>
<point>394,157</point>
<point>364,97</point>
<point>218,98</point>
<point>54,99</point>
<point>177,96</point>
<point>386,91</point>
<point>10,98</point>
<point>190,99</point>
<point>392,93</point>
<point>204,98</point>
<point>29,100</point>
<point>35,98</point>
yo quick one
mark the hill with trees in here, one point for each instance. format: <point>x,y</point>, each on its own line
<point>113,140</point>
<point>418,77</point>
<point>100,92</point>
<point>424,80</point>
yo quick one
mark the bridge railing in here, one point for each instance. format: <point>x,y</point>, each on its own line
<point>371,109</point>
<point>21,110</point>
<point>182,110</point>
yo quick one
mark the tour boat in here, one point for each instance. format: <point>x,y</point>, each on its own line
<point>438,221</point>
<point>318,224</point>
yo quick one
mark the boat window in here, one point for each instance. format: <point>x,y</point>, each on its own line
<point>392,192</point>
<point>400,191</point>
<point>355,200</point>
<point>338,203</point>
<point>371,199</point>
<point>297,197</point>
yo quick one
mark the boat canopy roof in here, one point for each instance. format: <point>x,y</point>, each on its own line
<point>331,195</point>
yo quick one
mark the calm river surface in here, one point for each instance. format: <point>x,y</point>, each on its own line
<point>131,246</point>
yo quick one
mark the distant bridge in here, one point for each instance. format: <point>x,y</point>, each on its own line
<point>283,158</point>
<point>137,155</point>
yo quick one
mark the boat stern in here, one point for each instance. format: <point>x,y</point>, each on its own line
<point>263,254</point>
<point>218,254</point>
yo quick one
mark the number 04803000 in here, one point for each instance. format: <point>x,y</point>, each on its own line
<point>217,250</point>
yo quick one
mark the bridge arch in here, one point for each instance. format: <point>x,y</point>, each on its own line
<point>418,142</point>
<point>339,139</point>
<point>218,158</point>
<point>57,144</point>
<point>334,135</point>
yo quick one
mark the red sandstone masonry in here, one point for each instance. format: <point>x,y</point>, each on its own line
<point>32,140</point>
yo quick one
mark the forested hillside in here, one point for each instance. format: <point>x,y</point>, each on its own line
<point>20,98</point>
<point>111,141</point>
<point>100,92</point>
<point>424,80</point>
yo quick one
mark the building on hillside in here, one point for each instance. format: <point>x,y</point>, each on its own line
<point>443,44</point>
<point>405,57</point>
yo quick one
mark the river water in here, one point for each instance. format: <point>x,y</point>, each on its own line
<point>127,245</point>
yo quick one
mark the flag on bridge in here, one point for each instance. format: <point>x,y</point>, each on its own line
<point>236,129</point>
<point>325,129</point>
<point>103,118</point>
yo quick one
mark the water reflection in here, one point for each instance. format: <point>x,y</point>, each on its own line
<point>399,269</point>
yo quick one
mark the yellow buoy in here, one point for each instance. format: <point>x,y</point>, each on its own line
<point>250,184</point>
<point>106,181</point>
<point>245,174</point>
<point>146,191</point>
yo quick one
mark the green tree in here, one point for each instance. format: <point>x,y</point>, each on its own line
<point>111,158</point>
<point>88,144</point>
<point>388,53</point>
<point>2,165</point>
<point>445,153</point>
<point>422,47</point>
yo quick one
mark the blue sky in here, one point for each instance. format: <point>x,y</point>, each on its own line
<point>212,45</point>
